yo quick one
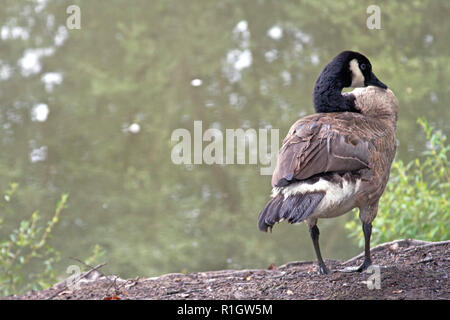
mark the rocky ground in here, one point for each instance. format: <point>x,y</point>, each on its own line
<point>408,269</point>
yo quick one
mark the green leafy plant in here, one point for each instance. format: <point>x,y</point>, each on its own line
<point>97,253</point>
<point>25,246</point>
<point>415,203</point>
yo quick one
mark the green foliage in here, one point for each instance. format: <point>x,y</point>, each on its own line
<point>97,253</point>
<point>415,203</point>
<point>25,245</point>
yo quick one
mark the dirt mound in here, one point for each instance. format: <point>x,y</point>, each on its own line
<point>406,269</point>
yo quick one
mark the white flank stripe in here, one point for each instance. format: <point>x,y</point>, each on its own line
<point>337,200</point>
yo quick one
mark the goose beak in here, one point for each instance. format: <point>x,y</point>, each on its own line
<point>373,81</point>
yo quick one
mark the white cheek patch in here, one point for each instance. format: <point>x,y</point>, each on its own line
<point>357,76</point>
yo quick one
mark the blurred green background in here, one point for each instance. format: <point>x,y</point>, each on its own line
<point>68,98</point>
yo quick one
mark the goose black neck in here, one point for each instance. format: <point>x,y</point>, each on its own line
<point>328,97</point>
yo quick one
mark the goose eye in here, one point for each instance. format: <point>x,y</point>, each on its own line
<point>363,66</point>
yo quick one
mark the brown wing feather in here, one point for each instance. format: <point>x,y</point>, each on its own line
<point>320,143</point>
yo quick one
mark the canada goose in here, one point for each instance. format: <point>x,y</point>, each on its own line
<point>331,163</point>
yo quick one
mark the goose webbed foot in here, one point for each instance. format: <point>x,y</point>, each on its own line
<point>361,268</point>
<point>323,269</point>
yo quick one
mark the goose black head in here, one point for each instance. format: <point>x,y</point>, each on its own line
<point>361,74</point>
<point>347,69</point>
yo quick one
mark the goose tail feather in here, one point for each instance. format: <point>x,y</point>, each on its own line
<point>294,208</point>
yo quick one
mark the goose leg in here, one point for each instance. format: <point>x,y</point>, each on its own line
<point>314,232</point>
<point>367,229</point>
